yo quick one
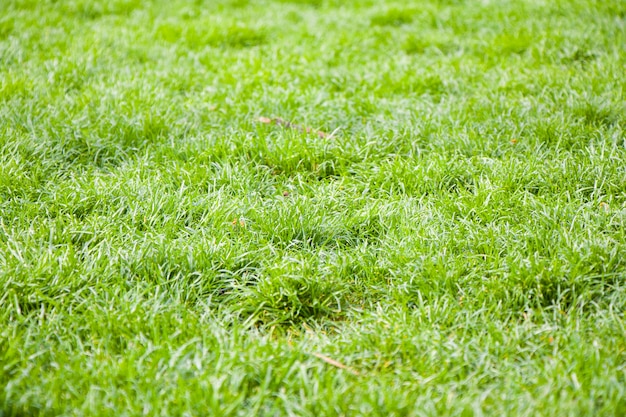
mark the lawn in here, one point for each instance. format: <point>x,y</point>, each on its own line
<point>312,208</point>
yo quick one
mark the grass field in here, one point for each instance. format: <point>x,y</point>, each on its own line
<point>454,244</point>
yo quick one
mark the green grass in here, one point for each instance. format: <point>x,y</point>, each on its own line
<point>458,244</point>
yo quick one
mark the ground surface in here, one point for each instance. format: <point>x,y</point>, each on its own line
<point>456,247</point>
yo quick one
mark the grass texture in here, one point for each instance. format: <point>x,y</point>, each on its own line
<point>455,245</point>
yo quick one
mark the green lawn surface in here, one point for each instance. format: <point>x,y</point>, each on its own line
<point>432,223</point>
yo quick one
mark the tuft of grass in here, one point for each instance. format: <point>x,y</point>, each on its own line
<point>392,17</point>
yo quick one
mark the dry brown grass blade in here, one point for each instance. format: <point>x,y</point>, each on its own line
<point>334,363</point>
<point>288,124</point>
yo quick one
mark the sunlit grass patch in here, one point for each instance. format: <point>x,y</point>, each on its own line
<point>312,207</point>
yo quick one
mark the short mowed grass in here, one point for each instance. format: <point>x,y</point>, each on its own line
<point>456,247</point>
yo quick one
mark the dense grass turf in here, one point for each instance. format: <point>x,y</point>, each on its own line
<point>456,247</point>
